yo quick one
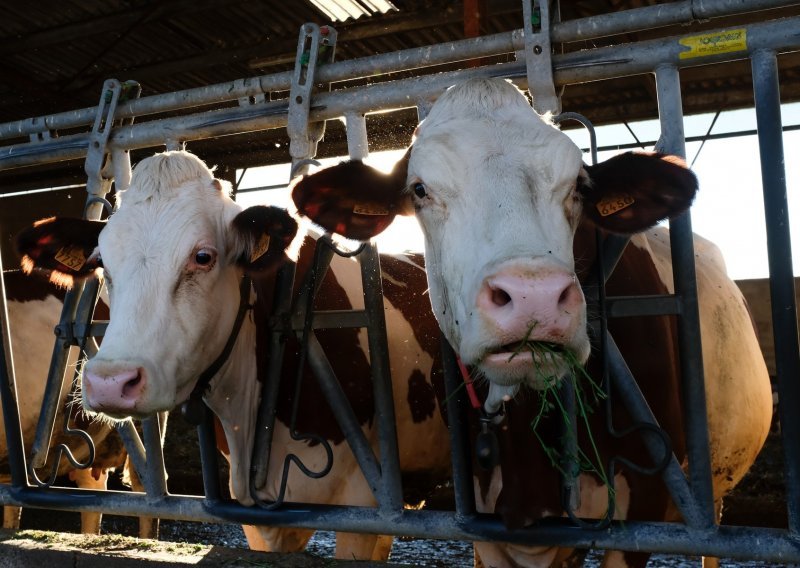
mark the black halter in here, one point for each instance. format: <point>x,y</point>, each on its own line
<point>193,409</point>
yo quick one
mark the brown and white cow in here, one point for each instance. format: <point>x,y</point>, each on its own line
<point>34,309</point>
<point>509,211</point>
<point>173,257</point>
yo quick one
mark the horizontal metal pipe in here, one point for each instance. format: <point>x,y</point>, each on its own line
<point>659,15</point>
<point>590,65</point>
<point>767,545</point>
<point>574,30</point>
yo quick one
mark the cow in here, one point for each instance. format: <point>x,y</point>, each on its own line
<point>173,258</point>
<point>34,309</point>
<point>509,214</point>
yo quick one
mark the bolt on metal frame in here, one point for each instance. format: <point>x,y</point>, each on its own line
<point>699,535</point>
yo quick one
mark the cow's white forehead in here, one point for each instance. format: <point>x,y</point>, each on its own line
<point>163,174</point>
<point>173,203</point>
<point>486,119</point>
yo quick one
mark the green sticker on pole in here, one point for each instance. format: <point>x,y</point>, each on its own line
<point>705,45</point>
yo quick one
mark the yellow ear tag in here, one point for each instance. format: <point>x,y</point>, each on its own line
<point>367,209</point>
<point>71,257</point>
<point>260,248</point>
<point>610,205</point>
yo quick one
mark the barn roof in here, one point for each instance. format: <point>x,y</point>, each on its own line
<point>56,55</point>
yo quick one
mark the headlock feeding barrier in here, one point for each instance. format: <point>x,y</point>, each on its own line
<point>103,135</point>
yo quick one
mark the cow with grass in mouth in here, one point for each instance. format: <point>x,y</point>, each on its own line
<point>509,213</point>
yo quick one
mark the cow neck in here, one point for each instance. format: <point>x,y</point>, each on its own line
<point>192,409</point>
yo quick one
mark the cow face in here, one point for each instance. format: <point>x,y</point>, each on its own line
<point>172,257</point>
<point>499,192</point>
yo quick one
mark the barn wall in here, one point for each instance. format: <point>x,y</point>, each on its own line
<point>756,292</point>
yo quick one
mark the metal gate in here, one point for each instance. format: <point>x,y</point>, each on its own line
<point>114,133</point>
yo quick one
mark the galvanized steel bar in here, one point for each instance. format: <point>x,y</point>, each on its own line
<point>659,15</point>
<point>268,407</point>
<point>458,427</point>
<point>390,491</point>
<point>390,496</point>
<point>155,481</point>
<point>670,113</point>
<point>766,89</point>
<point>628,306</point>
<point>768,545</point>
<point>589,65</point>
<point>626,387</point>
<point>8,397</point>
<point>574,30</point>
<point>345,416</point>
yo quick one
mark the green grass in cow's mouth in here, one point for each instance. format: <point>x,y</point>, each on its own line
<point>588,394</point>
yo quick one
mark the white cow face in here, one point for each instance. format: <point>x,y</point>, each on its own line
<point>173,257</point>
<point>499,193</point>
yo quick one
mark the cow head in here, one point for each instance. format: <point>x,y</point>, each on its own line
<point>499,192</point>
<point>172,258</point>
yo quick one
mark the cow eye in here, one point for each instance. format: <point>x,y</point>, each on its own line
<point>203,257</point>
<point>420,190</point>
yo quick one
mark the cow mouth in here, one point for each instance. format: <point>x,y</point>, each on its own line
<point>535,363</point>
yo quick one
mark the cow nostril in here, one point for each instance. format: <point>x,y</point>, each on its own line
<point>500,297</point>
<point>566,297</point>
<point>131,385</point>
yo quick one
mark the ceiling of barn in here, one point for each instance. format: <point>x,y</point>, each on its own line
<point>55,55</point>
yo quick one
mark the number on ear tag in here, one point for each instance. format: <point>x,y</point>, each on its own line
<point>610,205</point>
<point>71,257</point>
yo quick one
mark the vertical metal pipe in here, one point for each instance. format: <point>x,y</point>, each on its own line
<point>208,457</point>
<point>55,378</point>
<point>268,408</point>
<point>8,396</point>
<point>670,113</point>
<point>155,482</point>
<point>458,426</point>
<point>390,491</point>
<point>784,310</point>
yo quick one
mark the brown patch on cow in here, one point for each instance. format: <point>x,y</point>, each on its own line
<point>421,397</point>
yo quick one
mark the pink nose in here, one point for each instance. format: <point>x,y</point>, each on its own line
<point>544,306</point>
<point>113,392</point>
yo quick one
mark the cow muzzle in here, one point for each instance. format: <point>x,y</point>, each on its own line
<point>116,392</point>
<point>535,319</point>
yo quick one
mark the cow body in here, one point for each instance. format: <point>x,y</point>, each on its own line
<point>173,257</point>
<point>509,214</point>
<point>34,309</point>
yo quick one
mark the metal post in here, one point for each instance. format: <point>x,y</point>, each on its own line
<point>670,113</point>
<point>8,396</point>
<point>781,281</point>
<point>458,426</point>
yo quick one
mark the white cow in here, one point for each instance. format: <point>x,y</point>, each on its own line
<point>173,258</point>
<point>508,209</point>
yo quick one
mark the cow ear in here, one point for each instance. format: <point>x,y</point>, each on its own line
<point>633,191</point>
<point>353,199</point>
<point>64,246</point>
<point>261,236</point>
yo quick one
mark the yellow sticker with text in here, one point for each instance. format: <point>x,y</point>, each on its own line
<point>261,247</point>
<point>368,209</point>
<point>71,257</point>
<point>716,43</point>
<point>610,205</point>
